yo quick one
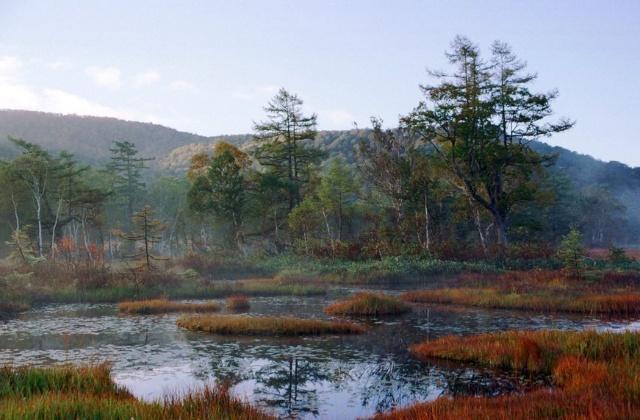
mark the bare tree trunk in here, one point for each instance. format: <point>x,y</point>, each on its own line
<point>427,233</point>
<point>15,212</point>
<point>53,231</point>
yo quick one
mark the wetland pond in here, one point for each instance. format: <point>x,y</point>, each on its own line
<point>334,377</point>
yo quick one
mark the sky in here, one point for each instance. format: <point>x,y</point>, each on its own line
<point>209,67</point>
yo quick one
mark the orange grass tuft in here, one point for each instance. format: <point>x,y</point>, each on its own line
<point>266,325</point>
<point>368,304</point>
<point>159,306</point>
<point>597,375</point>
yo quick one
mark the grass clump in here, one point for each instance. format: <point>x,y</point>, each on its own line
<point>88,392</point>
<point>266,325</point>
<point>24,382</point>
<point>368,304</point>
<point>160,306</point>
<point>238,303</point>
<point>596,375</point>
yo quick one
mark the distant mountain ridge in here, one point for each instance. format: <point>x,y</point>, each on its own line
<point>89,138</point>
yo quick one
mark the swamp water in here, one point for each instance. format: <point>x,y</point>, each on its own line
<point>335,377</point>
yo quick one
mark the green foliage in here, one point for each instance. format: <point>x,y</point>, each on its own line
<point>617,256</point>
<point>572,254</point>
<point>284,143</point>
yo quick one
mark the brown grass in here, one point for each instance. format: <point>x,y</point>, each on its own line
<point>160,306</point>
<point>266,325</point>
<point>545,291</point>
<point>238,303</point>
<point>368,304</point>
<point>596,376</point>
<point>10,308</point>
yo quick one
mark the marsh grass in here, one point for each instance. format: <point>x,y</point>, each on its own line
<point>544,291</point>
<point>596,375</point>
<point>368,304</point>
<point>11,308</point>
<point>160,306</point>
<point>266,325</point>
<point>238,303</point>
<point>88,392</point>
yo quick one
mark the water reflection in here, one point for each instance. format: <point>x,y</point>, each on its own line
<point>328,377</point>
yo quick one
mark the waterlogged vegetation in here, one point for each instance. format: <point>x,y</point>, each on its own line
<point>368,304</point>
<point>89,392</point>
<point>238,303</point>
<point>267,325</point>
<point>159,306</point>
<point>594,375</point>
<point>616,294</point>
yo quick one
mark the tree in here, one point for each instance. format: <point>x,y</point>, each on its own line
<point>337,193</point>
<point>480,120</point>
<point>147,230</point>
<point>126,168</point>
<point>35,169</point>
<point>398,166</point>
<point>283,142</point>
<point>571,253</point>
<point>222,192</point>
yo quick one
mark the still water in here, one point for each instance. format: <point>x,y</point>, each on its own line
<point>332,377</point>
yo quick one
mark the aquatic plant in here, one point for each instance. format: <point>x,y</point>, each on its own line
<point>368,304</point>
<point>159,306</point>
<point>238,303</point>
<point>596,375</point>
<point>266,325</point>
<point>88,392</point>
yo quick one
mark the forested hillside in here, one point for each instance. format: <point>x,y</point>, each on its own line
<point>89,138</point>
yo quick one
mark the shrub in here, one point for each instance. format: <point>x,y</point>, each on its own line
<point>571,252</point>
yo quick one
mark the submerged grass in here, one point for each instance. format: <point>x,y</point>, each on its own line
<point>267,325</point>
<point>368,304</point>
<point>596,375</point>
<point>159,306</point>
<point>88,392</point>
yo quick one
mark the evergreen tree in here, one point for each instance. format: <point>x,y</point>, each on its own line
<point>284,143</point>
<point>126,169</point>
<point>147,231</point>
<point>480,121</point>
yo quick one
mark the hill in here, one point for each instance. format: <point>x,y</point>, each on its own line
<point>89,138</point>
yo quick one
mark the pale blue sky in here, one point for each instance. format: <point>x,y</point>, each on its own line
<point>209,66</point>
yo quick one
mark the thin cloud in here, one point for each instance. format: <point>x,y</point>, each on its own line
<point>105,76</point>
<point>182,86</point>
<point>146,78</point>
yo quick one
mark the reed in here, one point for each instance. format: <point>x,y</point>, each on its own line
<point>266,325</point>
<point>368,304</point>
<point>161,306</point>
